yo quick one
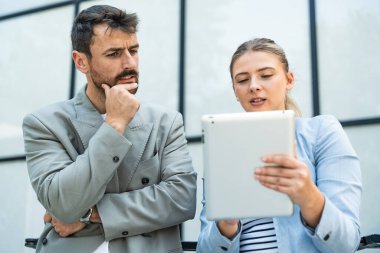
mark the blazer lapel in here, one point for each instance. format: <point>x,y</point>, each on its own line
<point>138,133</point>
<point>87,120</point>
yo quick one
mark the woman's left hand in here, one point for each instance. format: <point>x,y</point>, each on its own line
<point>292,177</point>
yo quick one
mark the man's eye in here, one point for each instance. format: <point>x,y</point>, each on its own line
<point>133,52</point>
<point>114,54</point>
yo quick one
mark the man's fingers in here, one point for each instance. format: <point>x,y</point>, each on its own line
<point>129,86</point>
<point>54,221</point>
<point>106,87</point>
<point>47,217</point>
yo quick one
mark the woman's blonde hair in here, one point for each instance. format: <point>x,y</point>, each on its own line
<point>267,45</point>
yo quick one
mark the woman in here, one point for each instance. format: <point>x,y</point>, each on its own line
<point>323,181</point>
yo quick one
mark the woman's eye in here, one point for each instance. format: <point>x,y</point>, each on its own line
<point>242,81</point>
<point>266,76</point>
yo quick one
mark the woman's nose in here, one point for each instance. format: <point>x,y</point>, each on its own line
<point>254,86</point>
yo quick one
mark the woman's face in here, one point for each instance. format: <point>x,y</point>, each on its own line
<point>260,82</point>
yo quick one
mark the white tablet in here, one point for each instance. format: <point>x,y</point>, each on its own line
<point>233,145</point>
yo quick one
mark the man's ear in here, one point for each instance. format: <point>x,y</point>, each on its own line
<point>81,61</point>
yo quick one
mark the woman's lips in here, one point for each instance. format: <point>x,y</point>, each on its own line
<point>257,101</point>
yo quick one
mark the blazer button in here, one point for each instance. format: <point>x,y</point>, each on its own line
<point>145,180</point>
<point>115,159</point>
<point>326,237</point>
<point>125,233</point>
<point>44,241</point>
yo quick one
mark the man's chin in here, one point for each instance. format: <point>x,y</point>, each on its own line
<point>99,87</point>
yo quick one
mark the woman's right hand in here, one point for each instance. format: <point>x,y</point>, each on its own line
<point>228,228</point>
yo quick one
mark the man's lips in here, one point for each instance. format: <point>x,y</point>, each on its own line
<point>127,79</point>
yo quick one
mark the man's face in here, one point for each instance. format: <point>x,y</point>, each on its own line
<point>114,58</point>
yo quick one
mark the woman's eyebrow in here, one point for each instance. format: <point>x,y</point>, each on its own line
<point>239,74</point>
<point>265,68</point>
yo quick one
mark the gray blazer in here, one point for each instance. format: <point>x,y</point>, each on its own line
<point>142,183</point>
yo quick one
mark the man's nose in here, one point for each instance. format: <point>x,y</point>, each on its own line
<point>129,62</point>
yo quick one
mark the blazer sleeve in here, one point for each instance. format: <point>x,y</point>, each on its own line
<point>168,203</point>
<point>338,177</point>
<point>67,184</point>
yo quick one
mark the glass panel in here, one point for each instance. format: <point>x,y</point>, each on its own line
<point>158,37</point>
<point>349,62</point>
<point>34,70</point>
<point>21,215</point>
<point>366,141</point>
<point>8,7</point>
<point>216,28</point>
<point>192,228</point>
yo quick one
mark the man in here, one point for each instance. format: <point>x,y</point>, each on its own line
<point>112,173</point>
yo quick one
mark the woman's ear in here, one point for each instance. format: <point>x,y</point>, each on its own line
<point>81,61</point>
<point>290,83</point>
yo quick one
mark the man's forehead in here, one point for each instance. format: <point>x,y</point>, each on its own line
<point>104,32</point>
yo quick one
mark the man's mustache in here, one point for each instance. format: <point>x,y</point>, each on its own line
<point>127,72</point>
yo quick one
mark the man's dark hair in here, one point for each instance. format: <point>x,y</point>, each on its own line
<point>82,30</point>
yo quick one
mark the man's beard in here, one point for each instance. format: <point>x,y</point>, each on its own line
<point>98,79</point>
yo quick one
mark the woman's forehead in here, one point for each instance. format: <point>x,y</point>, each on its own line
<point>256,60</point>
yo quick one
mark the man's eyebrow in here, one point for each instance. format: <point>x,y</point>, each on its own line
<point>116,49</point>
<point>113,49</point>
<point>134,46</point>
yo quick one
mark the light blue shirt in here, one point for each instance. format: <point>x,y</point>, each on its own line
<point>324,147</point>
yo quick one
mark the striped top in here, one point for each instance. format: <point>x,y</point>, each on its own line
<point>258,235</point>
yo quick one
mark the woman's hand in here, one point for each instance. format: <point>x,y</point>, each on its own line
<point>292,177</point>
<point>228,228</point>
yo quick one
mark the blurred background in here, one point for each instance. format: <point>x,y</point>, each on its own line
<point>333,47</point>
